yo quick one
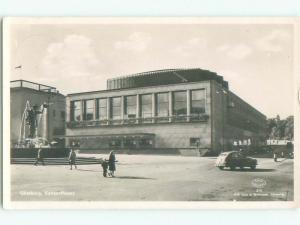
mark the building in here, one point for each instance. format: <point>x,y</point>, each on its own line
<point>51,125</point>
<point>183,109</point>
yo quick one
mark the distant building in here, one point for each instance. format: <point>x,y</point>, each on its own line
<point>52,125</point>
<point>164,109</point>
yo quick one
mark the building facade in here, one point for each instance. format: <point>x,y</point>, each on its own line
<point>165,109</point>
<point>51,125</point>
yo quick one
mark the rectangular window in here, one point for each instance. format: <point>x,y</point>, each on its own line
<point>75,110</point>
<point>62,114</point>
<point>146,106</point>
<point>162,109</point>
<point>195,142</point>
<point>198,102</point>
<point>102,109</point>
<point>116,108</point>
<point>180,103</point>
<point>89,109</point>
<point>130,107</point>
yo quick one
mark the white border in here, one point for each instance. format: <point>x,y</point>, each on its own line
<point>8,204</point>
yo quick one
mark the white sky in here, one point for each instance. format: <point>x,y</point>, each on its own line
<point>256,60</point>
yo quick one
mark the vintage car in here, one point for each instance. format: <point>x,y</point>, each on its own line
<point>235,159</point>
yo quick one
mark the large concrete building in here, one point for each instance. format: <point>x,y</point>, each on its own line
<point>52,125</point>
<point>181,109</point>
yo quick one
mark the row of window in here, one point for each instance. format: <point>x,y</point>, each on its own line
<point>161,102</point>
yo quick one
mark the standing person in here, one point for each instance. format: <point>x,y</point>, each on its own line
<point>72,159</point>
<point>39,157</point>
<point>275,156</point>
<point>112,163</point>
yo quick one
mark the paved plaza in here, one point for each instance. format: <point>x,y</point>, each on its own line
<point>154,178</point>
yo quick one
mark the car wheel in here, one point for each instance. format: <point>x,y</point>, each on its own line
<point>253,167</point>
<point>221,167</point>
<point>232,168</point>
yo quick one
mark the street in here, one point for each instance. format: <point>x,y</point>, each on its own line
<point>154,178</point>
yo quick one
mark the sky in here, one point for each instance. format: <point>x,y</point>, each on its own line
<point>256,60</point>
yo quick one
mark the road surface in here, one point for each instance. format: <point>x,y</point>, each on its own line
<point>154,178</point>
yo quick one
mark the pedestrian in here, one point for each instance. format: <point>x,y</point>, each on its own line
<point>72,158</point>
<point>112,163</point>
<point>104,165</point>
<point>275,156</point>
<point>39,157</point>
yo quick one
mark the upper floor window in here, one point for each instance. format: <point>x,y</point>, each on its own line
<point>76,111</point>
<point>89,109</point>
<point>146,106</point>
<point>116,108</point>
<point>130,106</point>
<point>102,109</point>
<point>180,103</point>
<point>162,109</point>
<point>198,101</point>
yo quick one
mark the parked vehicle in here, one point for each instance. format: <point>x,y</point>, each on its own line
<point>235,159</point>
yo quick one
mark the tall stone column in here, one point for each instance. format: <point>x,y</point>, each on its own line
<point>153,107</point>
<point>82,110</point>
<point>188,105</point>
<point>95,109</point>
<point>170,105</point>
<point>45,123</point>
<point>108,109</point>
<point>138,107</point>
<point>122,109</point>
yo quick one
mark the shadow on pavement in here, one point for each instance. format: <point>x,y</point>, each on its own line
<point>250,170</point>
<point>98,171</point>
<point>132,177</point>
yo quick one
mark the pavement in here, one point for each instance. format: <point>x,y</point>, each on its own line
<point>154,178</point>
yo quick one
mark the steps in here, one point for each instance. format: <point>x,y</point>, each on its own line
<point>57,161</point>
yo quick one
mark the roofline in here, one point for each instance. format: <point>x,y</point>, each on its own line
<point>157,71</point>
<point>33,83</point>
<point>38,91</point>
<point>121,89</point>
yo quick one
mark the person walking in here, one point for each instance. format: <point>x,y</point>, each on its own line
<point>72,159</point>
<point>112,163</point>
<point>39,157</point>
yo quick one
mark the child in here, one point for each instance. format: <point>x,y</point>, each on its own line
<point>104,166</point>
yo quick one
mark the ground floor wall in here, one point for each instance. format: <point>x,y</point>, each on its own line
<point>183,135</point>
<point>238,137</point>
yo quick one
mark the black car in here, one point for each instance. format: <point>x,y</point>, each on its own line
<point>235,159</point>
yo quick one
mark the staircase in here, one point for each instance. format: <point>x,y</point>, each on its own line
<point>58,161</point>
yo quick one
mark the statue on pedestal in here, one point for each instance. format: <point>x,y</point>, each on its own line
<point>32,118</point>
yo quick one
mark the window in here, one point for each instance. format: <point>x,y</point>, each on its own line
<point>146,106</point>
<point>116,108</point>
<point>62,114</point>
<point>195,142</point>
<point>130,106</point>
<point>198,102</point>
<point>76,111</point>
<point>102,109</point>
<point>145,142</point>
<point>88,109</point>
<point>180,103</point>
<point>162,109</point>
<point>115,143</point>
